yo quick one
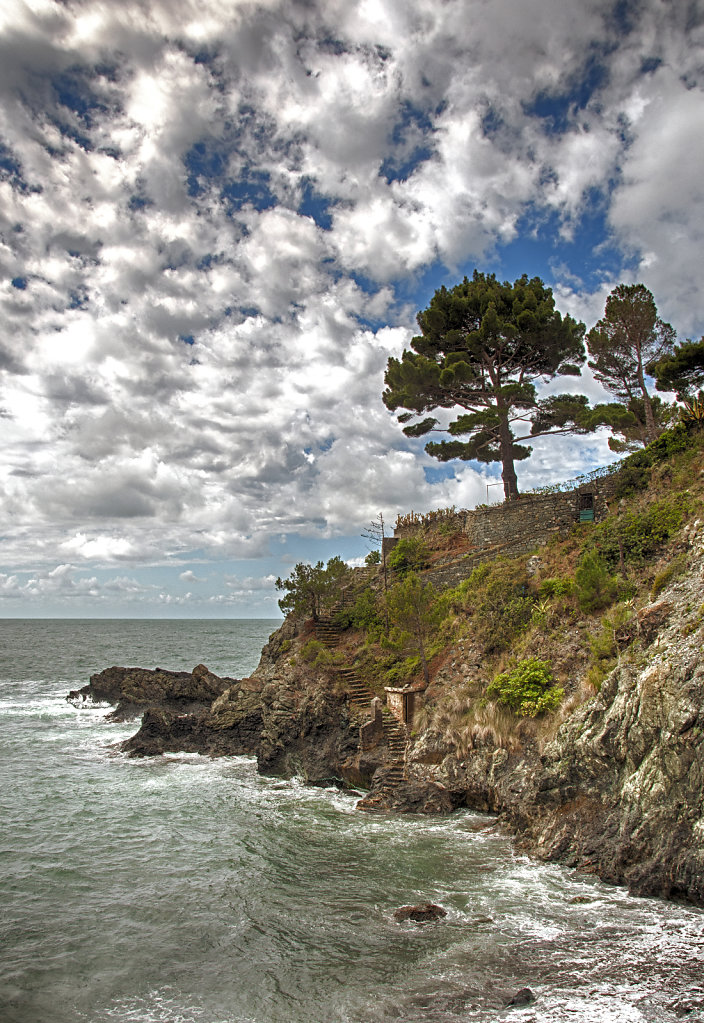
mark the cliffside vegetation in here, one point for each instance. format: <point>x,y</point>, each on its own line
<point>520,643</point>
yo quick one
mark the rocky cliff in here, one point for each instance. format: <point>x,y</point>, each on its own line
<point>612,784</point>
<point>619,791</point>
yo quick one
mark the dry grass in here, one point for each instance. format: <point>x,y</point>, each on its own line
<point>469,724</point>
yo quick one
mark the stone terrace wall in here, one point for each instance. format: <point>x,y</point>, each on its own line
<point>521,525</point>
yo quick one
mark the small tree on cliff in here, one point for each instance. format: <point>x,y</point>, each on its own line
<point>483,347</point>
<point>310,589</point>
<point>629,337</point>
<point>415,611</point>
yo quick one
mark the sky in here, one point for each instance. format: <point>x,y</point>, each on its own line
<point>218,220</point>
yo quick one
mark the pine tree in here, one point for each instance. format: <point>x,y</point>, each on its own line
<point>483,347</point>
<point>629,337</point>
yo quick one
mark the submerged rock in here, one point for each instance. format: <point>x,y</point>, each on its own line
<point>424,912</point>
<point>522,997</point>
<point>406,796</point>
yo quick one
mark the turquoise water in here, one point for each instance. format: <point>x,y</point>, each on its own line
<point>189,890</point>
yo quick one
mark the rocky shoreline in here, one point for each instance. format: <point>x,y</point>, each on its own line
<point>618,792</point>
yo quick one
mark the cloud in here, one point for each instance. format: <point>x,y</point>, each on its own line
<point>217,221</point>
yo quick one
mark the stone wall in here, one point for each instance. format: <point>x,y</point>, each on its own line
<point>516,527</point>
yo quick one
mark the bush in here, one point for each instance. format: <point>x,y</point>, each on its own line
<point>634,474</point>
<point>373,558</point>
<point>404,671</point>
<point>409,555</point>
<point>365,614</point>
<point>316,653</point>
<point>597,588</point>
<point>528,689</point>
<point>634,536</point>
<point>555,588</point>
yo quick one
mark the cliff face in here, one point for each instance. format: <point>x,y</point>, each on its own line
<point>621,788</point>
<point>619,791</point>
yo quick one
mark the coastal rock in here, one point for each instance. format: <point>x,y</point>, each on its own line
<point>406,796</point>
<point>133,689</point>
<point>424,912</point>
<point>523,997</point>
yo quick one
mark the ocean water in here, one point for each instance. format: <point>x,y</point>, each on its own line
<point>189,890</point>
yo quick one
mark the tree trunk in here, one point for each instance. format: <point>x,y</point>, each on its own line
<point>651,431</point>
<point>508,474</point>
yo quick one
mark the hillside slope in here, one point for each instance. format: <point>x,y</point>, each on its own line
<point>608,776</point>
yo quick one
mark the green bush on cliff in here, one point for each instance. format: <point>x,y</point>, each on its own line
<point>498,598</point>
<point>409,555</point>
<point>365,614</point>
<point>528,689</point>
<point>632,536</point>
<point>634,474</point>
<point>597,588</point>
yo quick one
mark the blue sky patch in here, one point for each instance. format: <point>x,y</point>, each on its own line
<point>315,206</point>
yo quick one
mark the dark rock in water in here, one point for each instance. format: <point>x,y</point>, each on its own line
<point>523,997</point>
<point>424,912</point>
<point>693,1001</point>
<point>405,796</point>
<point>133,689</point>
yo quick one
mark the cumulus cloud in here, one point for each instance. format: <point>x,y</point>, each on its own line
<point>215,224</point>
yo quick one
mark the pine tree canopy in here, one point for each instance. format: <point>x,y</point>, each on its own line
<point>682,370</point>
<point>630,337</point>
<point>483,347</point>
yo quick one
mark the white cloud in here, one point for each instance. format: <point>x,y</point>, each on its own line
<point>189,362</point>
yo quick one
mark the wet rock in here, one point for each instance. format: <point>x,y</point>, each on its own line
<point>133,689</point>
<point>522,997</point>
<point>424,912</point>
<point>392,795</point>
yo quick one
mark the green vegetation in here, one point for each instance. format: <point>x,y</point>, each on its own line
<point>633,535</point>
<point>629,337</point>
<point>498,598</point>
<point>596,587</point>
<point>483,347</point>
<point>676,567</point>
<point>310,589</point>
<point>409,555</point>
<point>415,613</point>
<point>681,370</point>
<point>528,689</point>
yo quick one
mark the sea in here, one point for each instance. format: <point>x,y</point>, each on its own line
<point>182,889</point>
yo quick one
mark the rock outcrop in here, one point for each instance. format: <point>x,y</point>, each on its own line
<point>619,791</point>
<point>133,689</point>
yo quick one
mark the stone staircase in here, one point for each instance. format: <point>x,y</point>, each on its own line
<point>359,695</point>
<point>395,739</point>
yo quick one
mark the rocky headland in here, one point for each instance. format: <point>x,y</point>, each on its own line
<point>611,783</point>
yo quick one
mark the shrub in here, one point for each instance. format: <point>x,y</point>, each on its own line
<point>634,536</point>
<point>373,558</point>
<point>555,588</point>
<point>409,555</point>
<point>528,689</point>
<point>597,588</point>
<point>316,653</point>
<point>403,671</point>
<point>365,614</point>
<point>634,474</point>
